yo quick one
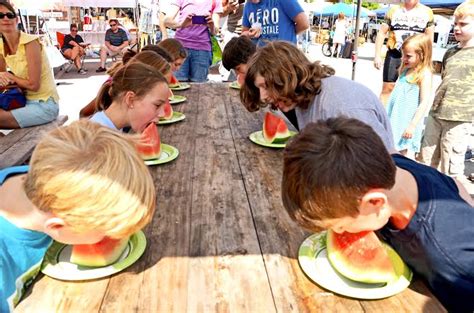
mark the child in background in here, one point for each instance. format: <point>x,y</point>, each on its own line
<point>338,175</point>
<point>176,50</point>
<point>84,182</point>
<point>410,99</point>
<point>135,97</point>
<point>448,127</point>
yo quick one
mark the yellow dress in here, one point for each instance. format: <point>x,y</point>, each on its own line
<point>18,64</point>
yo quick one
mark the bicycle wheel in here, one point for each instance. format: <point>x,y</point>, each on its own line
<point>326,49</point>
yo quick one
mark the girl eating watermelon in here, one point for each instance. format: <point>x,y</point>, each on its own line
<point>136,96</point>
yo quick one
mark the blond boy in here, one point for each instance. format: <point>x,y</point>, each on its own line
<point>338,175</point>
<point>448,126</point>
<point>84,182</point>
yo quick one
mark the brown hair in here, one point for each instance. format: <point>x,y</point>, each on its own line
<point>341,16</point>
<point>127,56</point>
<point>73,25</point>
<point>288,74</point>
<point>421,43</point>
<point>174,48</point>
<point>135,76</point>
<point>10,8</point>
<point>329,166</point>
<point>165,54</point>
<point>153,59</point>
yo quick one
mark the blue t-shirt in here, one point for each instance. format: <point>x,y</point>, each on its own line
<point>102,119</point>
<point>21,254</point>
<point>116,39</point>
<point>438,243</point>
<point>276,18</point>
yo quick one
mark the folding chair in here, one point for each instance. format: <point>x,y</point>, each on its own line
<point>70,63</point>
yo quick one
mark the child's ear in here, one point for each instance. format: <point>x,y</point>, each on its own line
<point>53,225</point>
<point>372,202</point>
<point>128,98</point>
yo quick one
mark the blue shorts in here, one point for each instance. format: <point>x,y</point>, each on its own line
<point>36,112</point>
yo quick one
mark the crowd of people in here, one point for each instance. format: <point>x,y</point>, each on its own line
<point>346,170</point>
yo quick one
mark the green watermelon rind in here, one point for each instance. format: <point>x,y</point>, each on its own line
<point>373,277</point>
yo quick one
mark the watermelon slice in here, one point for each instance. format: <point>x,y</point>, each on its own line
<point>275,129</point>
<point>103,253</point>
<point>150,145</point>
<point>360,257</point>
<point>168,112</point>
<point>174,82</point>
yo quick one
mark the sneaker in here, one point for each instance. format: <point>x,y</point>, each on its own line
<point>82,71</point>
<point>101,69</point>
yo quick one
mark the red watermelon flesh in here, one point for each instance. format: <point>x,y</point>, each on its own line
<point>168,112</point>
<point>275,129</point>
<point>103,253</point>
<point>174,82</point>
<point>150,145</point>
<point>360,257</point>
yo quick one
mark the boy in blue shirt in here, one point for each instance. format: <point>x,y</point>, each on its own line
<point>338,175</point>
<point>84,182</point>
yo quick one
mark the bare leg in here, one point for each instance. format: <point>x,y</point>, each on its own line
<point>386,91</point>
<point>103,56</point>
<point>7,121</point>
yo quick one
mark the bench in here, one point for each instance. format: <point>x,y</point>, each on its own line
<point>17,146</point>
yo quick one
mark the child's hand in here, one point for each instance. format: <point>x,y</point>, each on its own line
<point>408,134</point>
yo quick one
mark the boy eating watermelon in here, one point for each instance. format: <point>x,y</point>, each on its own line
<point>84,182</point>
<point>338,175</point>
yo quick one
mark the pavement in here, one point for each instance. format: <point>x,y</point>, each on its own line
<point>77,90</point>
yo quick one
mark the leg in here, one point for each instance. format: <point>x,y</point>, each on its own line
<point>390,74</point>
<point>103,56</point>
<point>7,121</point>
<point>455,143</point>
<point>386,92</point>
<point>199,66</point>
<point>35,112</point>
<point>430,153</point>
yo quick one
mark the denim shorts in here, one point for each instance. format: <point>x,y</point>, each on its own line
<point>36,112</point>
<point>196,66</point>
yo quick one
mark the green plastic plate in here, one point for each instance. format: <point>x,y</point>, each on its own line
<point>177,116</point>
<point>234,85</point>
<point>257,137</point>
<point>56,262</point>
<point>177,99</point>
<point>180,86</point>
<point>168,154</point>
<point>313,260</point>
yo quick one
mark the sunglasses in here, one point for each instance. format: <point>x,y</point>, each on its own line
<point>9,15</point>
<point>112,25</point>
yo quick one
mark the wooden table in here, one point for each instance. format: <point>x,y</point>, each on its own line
<point>220,240</point>
<point>16,147</point>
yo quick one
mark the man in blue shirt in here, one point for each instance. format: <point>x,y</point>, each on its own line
<point>116,42</point>
<point>269,20</point>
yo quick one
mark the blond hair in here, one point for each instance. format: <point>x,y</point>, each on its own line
<point>421,43</point>
<point>465,9</point>
<point>91,177</point>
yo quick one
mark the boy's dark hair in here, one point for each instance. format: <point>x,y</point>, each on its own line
<point>329,166</point>
<point>72,26</point>
<point>164,54</point>
<point>237,51</point>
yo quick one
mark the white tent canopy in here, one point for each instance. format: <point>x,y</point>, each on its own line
<point>101,3</point>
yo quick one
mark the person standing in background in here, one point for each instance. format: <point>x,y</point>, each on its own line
<point>194,22</point>
<point>270,20</point>
<point>339,34</point>
<point>402,21</point>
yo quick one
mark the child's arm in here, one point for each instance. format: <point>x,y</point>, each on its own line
<point>425,102</point>
<point>464,193</point>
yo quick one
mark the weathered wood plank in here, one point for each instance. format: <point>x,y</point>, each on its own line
<point>279,237</point>
<point>16,147</point>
